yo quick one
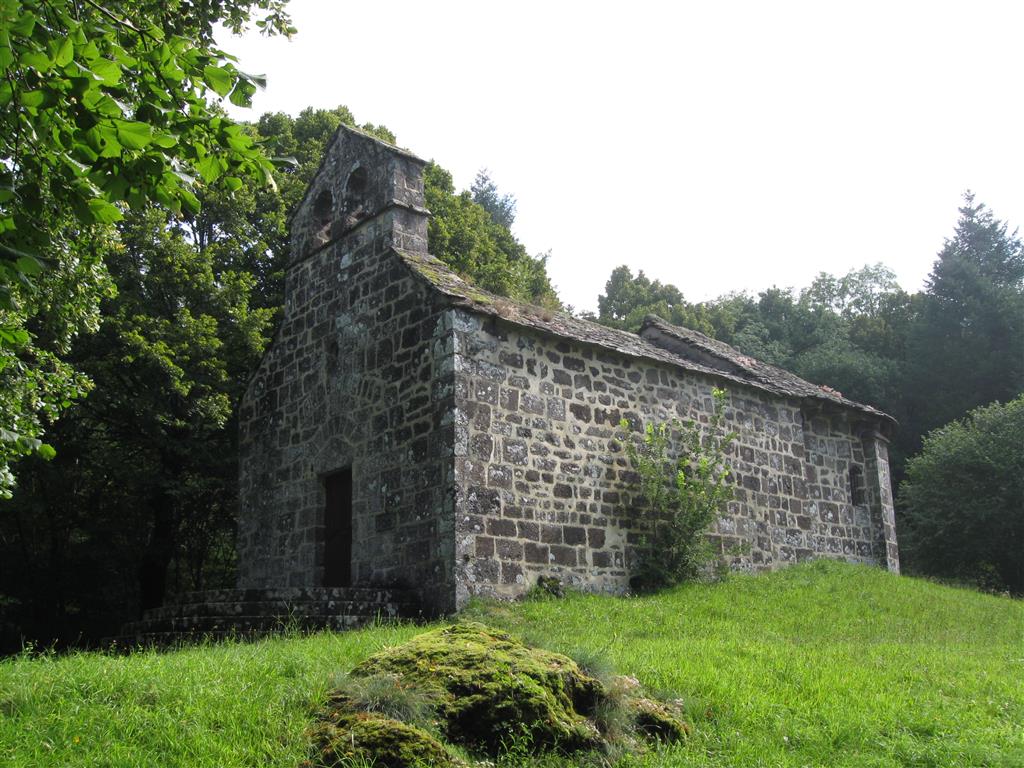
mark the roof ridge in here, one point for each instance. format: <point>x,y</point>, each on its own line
<point>749,371</point>
<point>762,372</point>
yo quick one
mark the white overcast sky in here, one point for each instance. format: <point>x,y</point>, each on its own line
<point>719,146</point>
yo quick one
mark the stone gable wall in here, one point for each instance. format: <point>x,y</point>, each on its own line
<point>361,375</point>
<point>544,486</point>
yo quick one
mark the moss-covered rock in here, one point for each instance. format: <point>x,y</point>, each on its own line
<point>493,691</point>
<point>486,691</point>
<point>655,720</point>
<point>347,736</point>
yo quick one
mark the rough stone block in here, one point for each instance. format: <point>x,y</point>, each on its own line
<point>536,553</point>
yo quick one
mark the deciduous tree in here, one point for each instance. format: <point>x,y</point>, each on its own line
<point>102,106</point>
<point>466,236</point>
<point>963,500</point>
<point>627,299</point>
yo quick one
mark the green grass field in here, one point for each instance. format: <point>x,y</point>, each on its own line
<point>823,664</point>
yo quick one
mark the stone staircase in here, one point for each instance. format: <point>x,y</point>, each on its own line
<point>221,613</point>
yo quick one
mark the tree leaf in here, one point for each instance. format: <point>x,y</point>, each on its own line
<point>6,54</point>
<point>219,79</point>
<point>209,168</point>
<point>29,265</point>
<point>189,201</point>
<point>90,52</point>
<point>243,93</point>
<point>104,212</point>
<point>36,60</point>
<point>24,24</point>
<point>133,135</point>
<point>107,107</point>
<point>65,53</point>
<point>106,70</point>
<point>240,143</point>
<point>32,99</point>
<point>260,81</point>
<point>164,140</point>
<point>103,139</point>
<point>46,452</point>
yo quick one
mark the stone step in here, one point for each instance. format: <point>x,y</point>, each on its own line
<point>284,608</point>
<point>219,613</point>
<point>299,594</point>
<point>205,625</point>
<point>128,642</point>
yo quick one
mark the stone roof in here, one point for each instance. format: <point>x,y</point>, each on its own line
<point>690,344</point>
<point>657,340</point>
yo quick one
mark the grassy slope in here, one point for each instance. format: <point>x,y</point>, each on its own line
<point>821,664</point>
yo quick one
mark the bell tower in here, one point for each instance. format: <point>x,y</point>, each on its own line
<point>346,397</point>
<point>361,179</point>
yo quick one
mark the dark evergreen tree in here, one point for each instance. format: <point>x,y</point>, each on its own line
<point>966,347</point>
<point>502,208</point>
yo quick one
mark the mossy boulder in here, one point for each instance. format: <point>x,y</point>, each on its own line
<point>482,689</point>
<point>492,691</point>
<point>655,720</point>
<point>347,736</point>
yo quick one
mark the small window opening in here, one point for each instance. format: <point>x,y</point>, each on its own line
<point>322,207</point>
<point>357,183</point>
<point>857,495</point>
<point>354,207</point>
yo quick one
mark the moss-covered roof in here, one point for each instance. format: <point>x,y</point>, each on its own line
<point>688,343</point>
<point>657,340</point>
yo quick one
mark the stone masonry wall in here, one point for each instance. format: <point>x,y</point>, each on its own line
<point>360,375</point>
<point>544,487</point>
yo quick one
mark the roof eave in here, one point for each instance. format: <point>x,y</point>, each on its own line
<point>432,272</point>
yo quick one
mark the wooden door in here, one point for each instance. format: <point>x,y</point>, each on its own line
<point>338,529</point>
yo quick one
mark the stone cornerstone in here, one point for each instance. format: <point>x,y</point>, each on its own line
<point>408,429</point>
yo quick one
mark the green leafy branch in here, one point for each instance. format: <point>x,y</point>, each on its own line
<point>103,107</point>
<point>685,481</point>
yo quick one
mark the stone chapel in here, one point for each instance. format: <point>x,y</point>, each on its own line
<point>406,429</point>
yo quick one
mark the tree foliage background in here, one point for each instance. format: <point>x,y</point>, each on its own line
<point>139,500</point>
<point>963,499</point>
<point>926,358</point>
<point>102,108</point>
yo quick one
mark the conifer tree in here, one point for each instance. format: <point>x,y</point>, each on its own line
<point>967,344</point>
